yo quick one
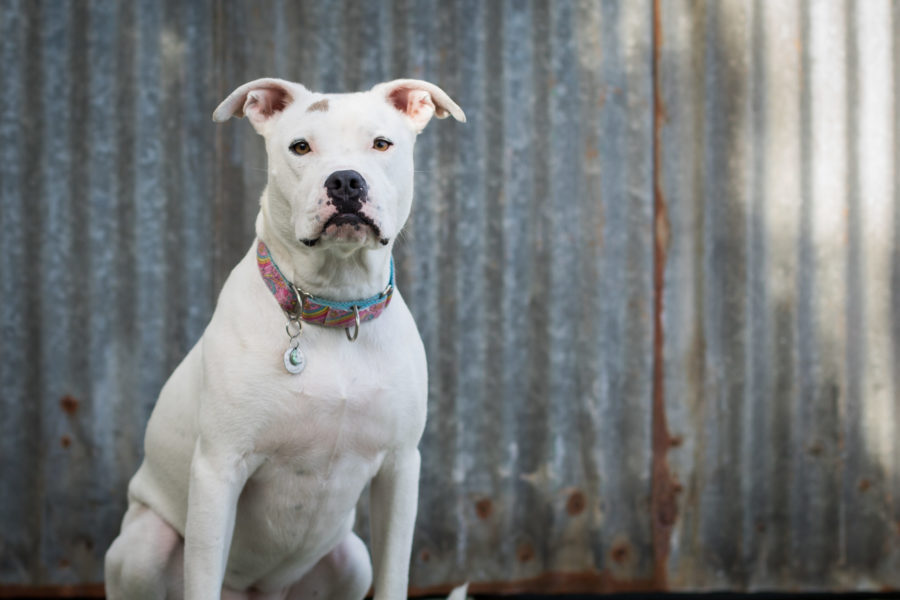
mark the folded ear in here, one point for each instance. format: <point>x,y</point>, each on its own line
<point>419,101</point>
<point>259,101</point>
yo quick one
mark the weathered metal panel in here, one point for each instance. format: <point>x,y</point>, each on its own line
<point>778,166</point>
<point>656,274</point>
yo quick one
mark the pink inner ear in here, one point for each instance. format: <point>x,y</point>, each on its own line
<point>268,101</point>
<point>400,98</point>
<point>415,103</point>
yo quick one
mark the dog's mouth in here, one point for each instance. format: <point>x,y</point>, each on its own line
<point>343,224</point>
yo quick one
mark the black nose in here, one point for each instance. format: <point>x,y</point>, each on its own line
<point>347,189</point>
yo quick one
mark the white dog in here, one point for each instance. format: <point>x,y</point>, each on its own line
<point>308,383</point>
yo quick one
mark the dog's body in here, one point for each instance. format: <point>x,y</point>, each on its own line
<point>251,473</point>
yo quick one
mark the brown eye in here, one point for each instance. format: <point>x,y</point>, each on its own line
<point>382,144</point>
<point>301,147</point>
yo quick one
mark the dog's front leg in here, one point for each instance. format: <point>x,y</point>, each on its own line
<point>394,500</point>
<point>217,477</point>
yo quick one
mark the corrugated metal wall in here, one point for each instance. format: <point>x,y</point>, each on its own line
<point>657,274</point>
<point>782,291</point>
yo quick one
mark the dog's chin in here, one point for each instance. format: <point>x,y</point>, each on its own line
<point>348,231</point>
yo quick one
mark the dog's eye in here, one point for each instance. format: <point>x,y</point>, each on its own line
<point>301,147</point>
<point>381,144</point>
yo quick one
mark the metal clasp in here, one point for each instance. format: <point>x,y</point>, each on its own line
<point>300,296</point>
<point>294,327</point>
<point>355,334</point>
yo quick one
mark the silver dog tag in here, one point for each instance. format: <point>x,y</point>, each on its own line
<point>294,361</point>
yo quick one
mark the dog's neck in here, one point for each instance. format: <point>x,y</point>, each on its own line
<point>324,272</point>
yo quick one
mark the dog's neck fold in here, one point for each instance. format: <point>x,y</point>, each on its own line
<point>325,272</point>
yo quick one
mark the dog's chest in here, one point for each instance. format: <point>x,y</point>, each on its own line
<point>347,408</point>
<point>320,448</point>
<point>358,418</point>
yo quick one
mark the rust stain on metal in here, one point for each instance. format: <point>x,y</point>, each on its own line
<point>88,590</point>
<point>620,552</point>
<point>484,508</point>
<point>525,552</point>
<point>425,555</point>
<point>864,485</point>
<point>664,488</point>
<point>65,441</point>
<point>590,582</point>
<point>576,503</point>
<point>69,404</point>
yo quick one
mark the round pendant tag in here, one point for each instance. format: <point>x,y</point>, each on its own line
<point>294,361</point>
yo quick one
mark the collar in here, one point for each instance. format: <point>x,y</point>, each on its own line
<point>313,309</point>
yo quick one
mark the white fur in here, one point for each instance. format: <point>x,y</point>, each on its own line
<point>251,475</point>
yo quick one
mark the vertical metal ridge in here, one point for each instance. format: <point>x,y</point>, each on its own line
<point>758,294</point>
<point>124,112</point>
<point>171,84</point>
<point>17,560</point>
<point>235,51</point>
<point>871,389</point>
<point>149,286</point>
<point>853,309</point>
<point>663,490</point>
<point>802,326</point>
<point>518,168</point>
<point>74,431</point>
<point>105,397</point>
<point>198,93</point>
<point>584,328</point>
<point>55,257</point>
<point>569,500</point>
<point>32,206</point>
<point>463,78</point>
<point>895,257</point>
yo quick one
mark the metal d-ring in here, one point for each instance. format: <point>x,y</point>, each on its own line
<point>355,335</point>
<point>293,320</point>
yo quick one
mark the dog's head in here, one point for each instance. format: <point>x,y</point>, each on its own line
<point>340,165</point>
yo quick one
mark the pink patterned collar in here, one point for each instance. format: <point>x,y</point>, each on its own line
<point>320,311</point>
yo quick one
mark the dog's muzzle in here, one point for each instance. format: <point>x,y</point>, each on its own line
<point>348,192</point>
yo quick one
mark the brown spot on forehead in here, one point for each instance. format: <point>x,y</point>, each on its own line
<point>320,106</point>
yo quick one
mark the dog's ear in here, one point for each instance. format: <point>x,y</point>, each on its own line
<point>259,101</point>
<point>419,101</point>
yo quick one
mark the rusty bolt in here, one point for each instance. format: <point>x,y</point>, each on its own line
<point>525,552</point>
<point>620,551</point>
<point>69,405</point>
<point>576,503</point>
<point>484,508</point>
